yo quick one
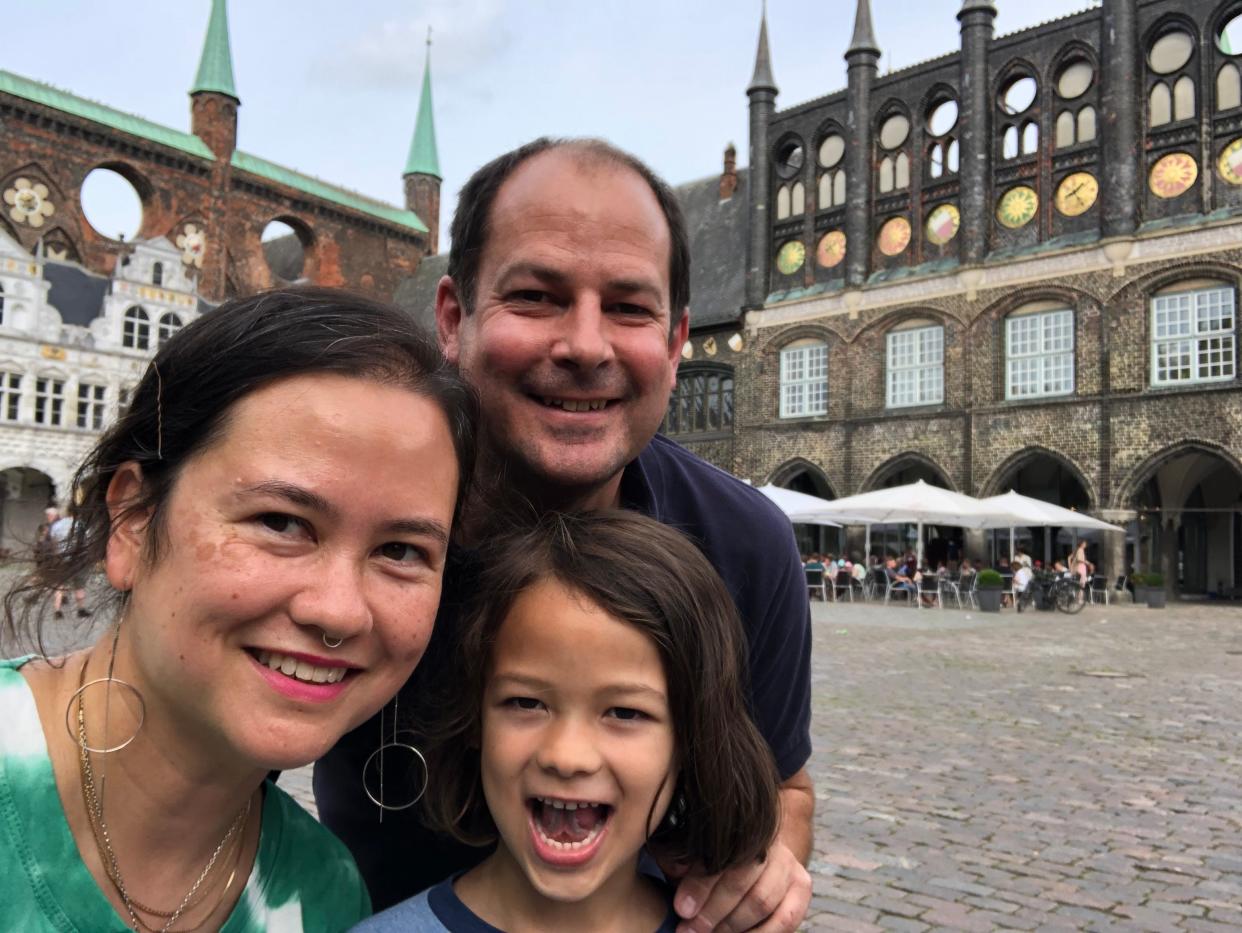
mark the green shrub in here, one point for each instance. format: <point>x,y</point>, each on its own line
<point>990,580</point>
<point>1154,580</point>
<point>1138,579</point>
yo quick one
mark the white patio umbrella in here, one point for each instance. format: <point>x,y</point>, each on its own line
<point>1012,509</point>
<point>798,506</point>
<point>915,503</point>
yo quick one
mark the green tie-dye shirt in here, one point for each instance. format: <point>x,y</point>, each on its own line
<point>303,877</point>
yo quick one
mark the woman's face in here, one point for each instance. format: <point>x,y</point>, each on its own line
<point>324,509</point>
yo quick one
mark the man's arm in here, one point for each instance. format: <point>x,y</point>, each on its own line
<point>771,895</point>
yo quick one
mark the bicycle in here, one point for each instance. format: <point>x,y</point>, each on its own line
<point>1068,595</point>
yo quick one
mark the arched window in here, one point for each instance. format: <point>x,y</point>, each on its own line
<point>902,173</point>
<point>1086,124</point>
<point>838,187</point>
<point>136,329</point>
<point>1039,352</point>
<point>1160,105</point>
<point>1184,98</point>
<point>1009,143</point>
<point>782,202</point>
<point>825,190</point>
<point>2,320</point>
<point>169,324</point>
<point>1193,334</point>
<point>1030,138</point>
<point>935,160</point>
<point>953,159</point>
<point>797,199</point>
<point>804,379</point>
<point>886,175</point>
<point>702,403</point>
<point>1065,129</point>
<point>832,189</point>
<point>1228,88</point>
<point>157,274</point>
<point>915,366</point>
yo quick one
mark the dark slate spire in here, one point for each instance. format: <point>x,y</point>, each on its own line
<point>762,78</point>
<point>864,34</point>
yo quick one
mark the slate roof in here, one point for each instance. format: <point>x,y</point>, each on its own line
<point>77,294</point>
<point>717,231</point>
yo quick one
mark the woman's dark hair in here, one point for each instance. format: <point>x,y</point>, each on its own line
<point>182,405</point>
<point>725,808</point>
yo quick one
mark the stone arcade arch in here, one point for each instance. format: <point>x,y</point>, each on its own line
<point>1188,500</point>
<point>1043,474</point>
<point>24,493</point>
<point>803,476</point>
<point>941,543</point>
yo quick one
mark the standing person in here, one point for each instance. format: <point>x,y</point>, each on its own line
<point>1082,567</point>
<point>273,514</point>
<point>58,535</point>
<point>565,305</point>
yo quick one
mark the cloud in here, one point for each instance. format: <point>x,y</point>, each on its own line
<point>390,56</point>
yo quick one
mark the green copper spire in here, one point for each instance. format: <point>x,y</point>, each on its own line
<point>215,68</point>
<point>423,158</point>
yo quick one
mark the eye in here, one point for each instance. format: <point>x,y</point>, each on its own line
<point>631,310</point>
<point>402,552</point>
<point>627,714</point>
<point>529,296</point>
<point>282,524</point>
<point>528,704</point>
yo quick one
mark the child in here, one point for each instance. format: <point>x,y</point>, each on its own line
<point>599,709</point>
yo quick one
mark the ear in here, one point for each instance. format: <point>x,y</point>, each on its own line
<point>677,339</point>
<point>449,315</point>
<point>128,533</point>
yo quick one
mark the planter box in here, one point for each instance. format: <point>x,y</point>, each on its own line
<point>989,600</point>
<point>1155,597</point>
<point>1140,594</point>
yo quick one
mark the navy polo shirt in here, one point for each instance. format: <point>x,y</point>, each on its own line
<point>750,543</point>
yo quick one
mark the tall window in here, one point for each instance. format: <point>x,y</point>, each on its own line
<point>136,329</point>
<point>702,403</point>
<point>49,401</point>
<point>91,406</point>
<point>1039,354</point>
<point>10,395</point>
<point>169,324</point>
<point>2,321</point>
<point>157,274</point>
<point>804,379</point>
<point>1193,337</point>
<point>916,367</point>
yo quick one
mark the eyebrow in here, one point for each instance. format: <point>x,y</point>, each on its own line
<point>617,689</point>
<point>555,277</point>
<point>312,501</point>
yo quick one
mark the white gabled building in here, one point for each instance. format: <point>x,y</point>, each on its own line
<point>72,347</point>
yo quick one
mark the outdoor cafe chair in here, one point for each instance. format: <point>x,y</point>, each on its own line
<point>1099,590</point>
<point>969,587</point>
<point>950,585</point>
<point>1121,588</point>
<point>877,584</point>
<point>929,588</point>
<point>843,581</point>
<point>815,583</point>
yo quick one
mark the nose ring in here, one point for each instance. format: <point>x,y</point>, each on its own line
<point>332,643</point>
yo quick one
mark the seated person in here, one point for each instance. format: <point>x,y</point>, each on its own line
<point>1022,579</point>
<point>815,563</point>
<point>899,580</point>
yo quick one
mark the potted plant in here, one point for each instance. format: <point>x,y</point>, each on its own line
<point>1139,582</point>
<point>1155,591</point>
<point>988,589</point>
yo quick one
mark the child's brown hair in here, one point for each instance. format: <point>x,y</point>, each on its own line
<point>725,809</point>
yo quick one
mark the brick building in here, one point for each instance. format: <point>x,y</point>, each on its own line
<point>1013,266</point>
<point>81,312</point>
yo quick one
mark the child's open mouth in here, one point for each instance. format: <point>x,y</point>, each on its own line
<point>566,830</point>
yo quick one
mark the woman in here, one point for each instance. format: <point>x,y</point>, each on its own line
<point>273,512</point>
<point>1082,567</point>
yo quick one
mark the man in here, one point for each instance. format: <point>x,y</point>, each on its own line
<point>565,305</point>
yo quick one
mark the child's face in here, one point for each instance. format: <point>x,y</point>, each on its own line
<point>575,712</point>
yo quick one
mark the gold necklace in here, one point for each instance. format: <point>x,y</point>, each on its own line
<point>103,839</point>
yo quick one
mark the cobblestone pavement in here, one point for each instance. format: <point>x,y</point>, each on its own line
<point>1034,771</point>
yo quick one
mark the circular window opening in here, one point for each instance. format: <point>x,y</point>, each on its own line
<point>831,151</point>
<point>1170,52</point>
<point>893,131</point>
<point>790,161</point>
<point>283,250</point>
<point>1074,80</point>
<point>943,117</point>
<point>1018,95</point>
<point>111,204</point>
<point>1229,39</point>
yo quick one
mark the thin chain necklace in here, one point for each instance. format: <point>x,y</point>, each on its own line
<point>103,840</point>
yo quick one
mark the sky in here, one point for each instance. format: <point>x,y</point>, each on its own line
<point>331,88</point>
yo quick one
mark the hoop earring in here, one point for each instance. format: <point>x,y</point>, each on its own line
<point>71,719</point>
<point>393,746</point>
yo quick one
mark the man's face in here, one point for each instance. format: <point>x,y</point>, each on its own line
<point>569,343</point>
